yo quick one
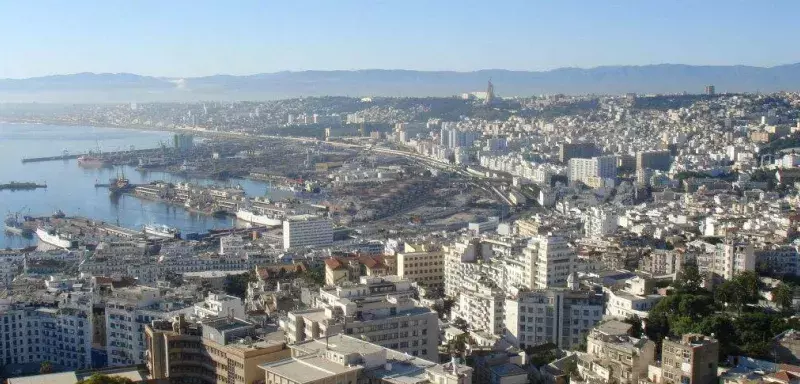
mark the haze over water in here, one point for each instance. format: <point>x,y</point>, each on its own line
<point>71,188</point>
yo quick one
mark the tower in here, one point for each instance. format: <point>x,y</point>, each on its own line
<point>489,93</point>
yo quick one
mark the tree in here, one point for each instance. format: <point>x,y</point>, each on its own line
<point>105,379</point>
<point>460,324</point>
<point>45,367</point>
<point>783,295</point>
<point>689,280</point>
<point>636,330</point>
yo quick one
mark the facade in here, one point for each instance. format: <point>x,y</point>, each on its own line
<point>728,259</point>
<point>62,336</point>
<point>661,262</point>
<point>613,350</point>
<point>481,306</point>
<point>307,230</point>
<point>549,261</point>
<point>587,171</point>
<point>221,350</point>
<point>127,313</point>
<point>559,316</point>
<point>690,360</point>
<point>658,160</point>
<point>346,359</point>
<point>220,305</point>
<point>568,151</point>
<point>778,260</point>
<point>421,264</point>
<point>380,310</point>
<point>599,222</point>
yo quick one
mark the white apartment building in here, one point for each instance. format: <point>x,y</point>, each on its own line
<point>633,299</point>
<point>481,306</point>
<point>550,261</point>
<point>661,262</point>
<point>62,336</point>
<point>220,305</point>
<point>127,312</point>
<point>231,245</point>
<point>422,265</point>
<point>559,316</point>
<point>307,230</point>
<point>380,310</point>
<point>599,222</point>
<point>728,259</point>
<point>587,170</point>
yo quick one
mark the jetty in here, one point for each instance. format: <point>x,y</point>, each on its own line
<point>19,186</point>
<point>50,158</point>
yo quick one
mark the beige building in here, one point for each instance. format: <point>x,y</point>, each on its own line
<point>344,359</point>
<point>625,357</point>
<point>422,264</point>
<point>690,360</point>
<point>221,350</point>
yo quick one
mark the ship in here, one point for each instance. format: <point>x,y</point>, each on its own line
<point>50,236</point>
<point>119,185</point>
<point>17,227</point>
<point>251,216</point>
<point>91,161</point>
<point>161,231</point>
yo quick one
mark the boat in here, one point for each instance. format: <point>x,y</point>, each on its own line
<point>251,216</point>
<point>15,226</point>
<point>161,231</point>
<point>50,236</point>
<point>59,214</point>
<point>119,185</point>
<point>91,161</point>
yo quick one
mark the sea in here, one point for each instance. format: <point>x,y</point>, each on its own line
<point>71,188</point>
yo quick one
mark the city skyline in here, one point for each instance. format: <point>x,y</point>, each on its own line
<point>183,39</point>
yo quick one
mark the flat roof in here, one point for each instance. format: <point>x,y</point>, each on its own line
<point>52,378</point>
<point>614,327</point>
<point>307,369</point>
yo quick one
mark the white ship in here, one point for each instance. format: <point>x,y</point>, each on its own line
<point>52,237</point>
<point>250,216</point>
<point>161,231</point>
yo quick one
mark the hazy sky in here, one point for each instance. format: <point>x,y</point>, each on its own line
<point>197,37</point>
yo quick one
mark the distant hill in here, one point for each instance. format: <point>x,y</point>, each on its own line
<point>662,78</point>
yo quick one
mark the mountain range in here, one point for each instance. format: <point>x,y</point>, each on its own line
<point>660,78</point>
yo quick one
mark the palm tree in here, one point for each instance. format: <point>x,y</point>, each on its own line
<point>45,367</point>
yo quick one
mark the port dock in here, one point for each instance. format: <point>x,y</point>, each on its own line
<point>21,186</point>
<point>50,158</point>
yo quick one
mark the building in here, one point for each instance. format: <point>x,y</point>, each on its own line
<point>728,259</point>
<point>62,336</point>
<point>422,264</point>
<point>562,317</point>
<point>660,262</point>
<point>379,310</point>
<point>220,350</point>
<point>127,313</point>
<point>549,261</point>
<point>588,170</point>
<point>599,222</point>
<point>710,90</point>
<point>690,360</point>
<point>778,259</point>
<point>220,305</point>
<point>307,230</point>
<point>481,306</point>
<point>183,142</point>
<point>657,160</point>
<point>346,359</point>
<point>613,350</point>
<point>568,151</point>
<point>500,368</point>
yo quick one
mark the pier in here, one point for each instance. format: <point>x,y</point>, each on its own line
<point>50,158</point>
<point>20,186</point>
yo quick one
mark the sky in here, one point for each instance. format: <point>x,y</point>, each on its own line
<point>187,38</point>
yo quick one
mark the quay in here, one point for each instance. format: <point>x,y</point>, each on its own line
<point>18,186</point>
<point>50,158</point>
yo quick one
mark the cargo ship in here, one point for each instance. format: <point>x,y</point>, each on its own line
<point>51,236</point>
<point>161,231</point>
<point>91,161</point>
<point>251,216</point>
<point>119,185</point>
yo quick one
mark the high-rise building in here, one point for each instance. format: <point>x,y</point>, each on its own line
<point>658,160</point>
<point>379,310</point>
<point>728,259</point>
<point>589,171</point>
<point>599,222</point>
<point>710,90</point>
<point>560,316</point>
<point>481,306</point>
<point>183,142</point>
<point>307,230</point>
<point>422,264</point>
<point>549,261</point>
<point>489,93</point>
<point>569,151</point>
<point>690,360</point>
<point>221,350</point>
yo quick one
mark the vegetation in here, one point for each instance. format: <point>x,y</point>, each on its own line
<point>236,285</point>
<point>637,330</point>
<point>45,367</point>
<point>783,296</point>
<point>693,309</point>
<point>104,379</point>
